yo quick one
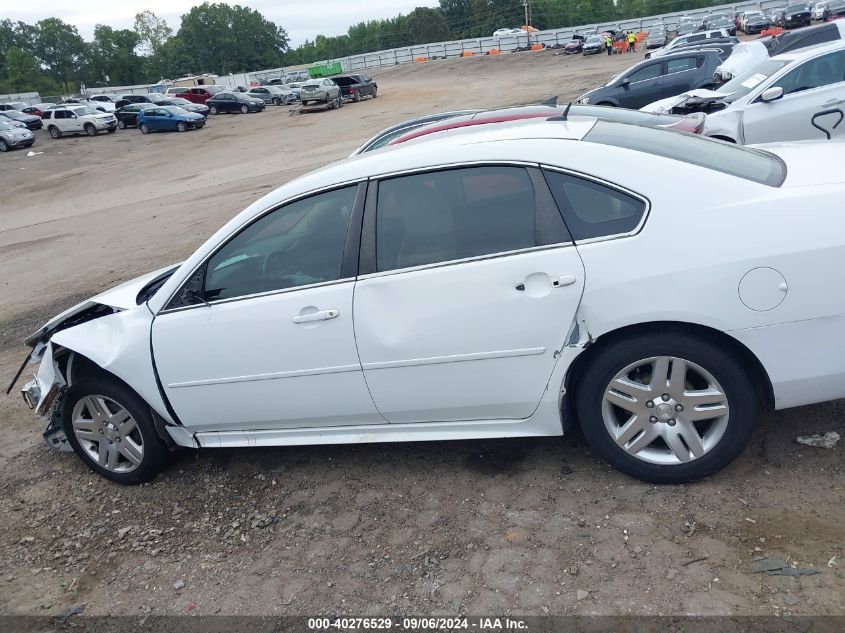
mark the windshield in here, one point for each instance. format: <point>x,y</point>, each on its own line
<point>742,84</point>
<point>179,101</point>
<point>594,39</point>
<point>176,110</point>
<point>797,7</point>
<point>727,158</point>
<point>85,111</point>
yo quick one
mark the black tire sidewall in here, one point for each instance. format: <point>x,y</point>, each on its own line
<point>3,146</point>
<point>724,366</point>
<point>244,109</point>
<point>90,130</point>
<point>181,127</point>
<point>155,452</point>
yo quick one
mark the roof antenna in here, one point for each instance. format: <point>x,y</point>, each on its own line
<point>566,112</point>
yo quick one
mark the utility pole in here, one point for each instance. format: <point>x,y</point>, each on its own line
<point>527,21</point>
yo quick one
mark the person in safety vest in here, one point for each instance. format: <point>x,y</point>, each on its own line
<point>608,44</point>
<point>632,40</point>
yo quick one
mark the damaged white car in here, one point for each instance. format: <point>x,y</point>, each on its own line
<point>492,282</point>
<point>789,97</point>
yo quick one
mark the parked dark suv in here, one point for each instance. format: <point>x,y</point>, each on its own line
<point>655,79</point>
<point>797,15</point>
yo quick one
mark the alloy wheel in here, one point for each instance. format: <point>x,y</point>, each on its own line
<point>108,434</point>
<point>665,410</point>
<point>3,146</point>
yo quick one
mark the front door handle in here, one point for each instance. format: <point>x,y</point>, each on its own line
<point>832,102</point>
<point>562,280</point>
<point>321,315</point>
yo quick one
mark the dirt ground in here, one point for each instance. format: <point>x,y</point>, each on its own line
<point>517,527</point>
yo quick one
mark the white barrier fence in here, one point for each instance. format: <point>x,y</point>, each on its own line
<point>481,46</point>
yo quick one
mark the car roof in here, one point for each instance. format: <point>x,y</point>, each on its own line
<point>811,51</point>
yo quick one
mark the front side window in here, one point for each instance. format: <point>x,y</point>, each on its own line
<point>816,73</point>
<point>594,210</point>
<point>449,215</point>
<point>643,74</point>
<point>296,245</point>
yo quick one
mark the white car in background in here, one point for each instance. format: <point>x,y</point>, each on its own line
<point>104,103</point>
<point>497,282</point>
<point>65,119</point>
<point>507,33</point>
<point>777,100</point>
<point>700,37</point>
<point>817,10</point>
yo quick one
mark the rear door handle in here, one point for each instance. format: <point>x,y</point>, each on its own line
<point>562,280</point>
<point>832,102</point>
<point>321,315</point>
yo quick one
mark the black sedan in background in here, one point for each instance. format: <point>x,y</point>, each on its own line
<point>199,108</point>
<point>797,15</point>
<point>31,121</point>
<point>234,102</point>
<point>127,115</point>
<point>355,87</point>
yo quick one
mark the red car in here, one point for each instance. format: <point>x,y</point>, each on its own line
<point>200,94</point>
<point>682,123</point>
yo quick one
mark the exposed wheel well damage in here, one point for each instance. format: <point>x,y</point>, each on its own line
<point>760,378</point>
<point>75,367</point>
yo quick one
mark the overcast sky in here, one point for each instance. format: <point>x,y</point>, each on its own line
<point>303,19</point>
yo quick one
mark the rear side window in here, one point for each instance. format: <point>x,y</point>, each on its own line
<point>594,210</point>
<point>680,65</point>
<point>816,73</point>
<point>449,215</point>
<point>735,160</point>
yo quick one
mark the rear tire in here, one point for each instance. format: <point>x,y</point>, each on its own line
<point>90,130</point>
<point>691,363</point>
<point>277,101</point>
<point>112,430</point>
<point>212,110</point>
<point>54,132</point>
<point>121,124</point>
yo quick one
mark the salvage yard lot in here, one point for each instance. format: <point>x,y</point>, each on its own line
<point>526,526</point>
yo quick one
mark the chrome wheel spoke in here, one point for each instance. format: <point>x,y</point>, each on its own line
<point>97,408</point>
<point>660,374</point>
<point>706,412</point>
<point>131,451</point>
<point>691,437</point>
<point>630,430</point>
<point>102,453</point>
<point>113,457</point>
<point>678,376</point>
<point>673,441</point>
<point>644,440</point>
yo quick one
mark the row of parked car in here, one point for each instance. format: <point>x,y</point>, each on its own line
<point>786,87</point>
<point>179,109</point>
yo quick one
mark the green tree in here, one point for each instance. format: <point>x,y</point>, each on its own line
<point>60,49</point>
<point>112,58</point>
<point>224,39</point>
<point>427,25</point>
<point>152,31</point>
<point>22,73</point>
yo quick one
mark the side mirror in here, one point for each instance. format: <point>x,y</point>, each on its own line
<point>771,94</point>
<point>625,83</point>
<point>73,116</point>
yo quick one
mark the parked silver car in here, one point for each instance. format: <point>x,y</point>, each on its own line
<point>12,136</point>
<point>321,90</point>
<point>276,95</point>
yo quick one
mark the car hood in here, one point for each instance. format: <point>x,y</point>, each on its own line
<point>700,96</point>
<point>744,56</point>
<point>117,299</point>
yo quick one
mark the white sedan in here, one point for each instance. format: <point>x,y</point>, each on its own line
<point>658,288</point>
<point>507,32</point>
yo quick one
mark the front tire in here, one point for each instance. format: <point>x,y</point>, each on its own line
<point>181,127</point>
<point>121,124</point>
<point>144,129</point>
<point>4,147</point>
<point>90,130</point>
<point>55,132</point>
<point>244,109</point>
<point>212,110</point>
<point>111,428</point>
<point>666,407</point>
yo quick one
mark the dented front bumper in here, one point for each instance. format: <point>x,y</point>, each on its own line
<point>43,394</point>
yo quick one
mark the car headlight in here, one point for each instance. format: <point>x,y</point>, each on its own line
<point>584,100</point>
